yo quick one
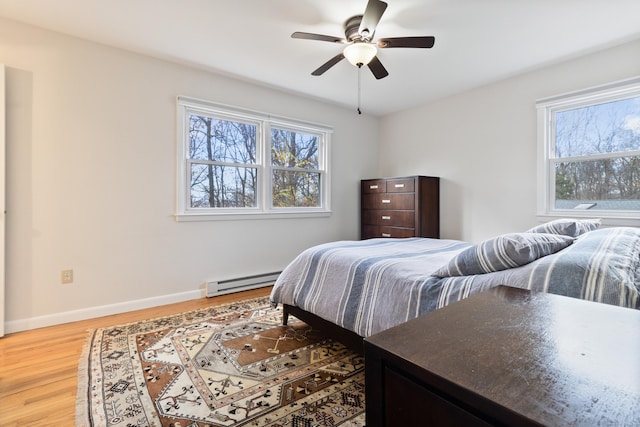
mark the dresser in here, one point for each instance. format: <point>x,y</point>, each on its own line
<point>400,207</point>
<point>507,357</point>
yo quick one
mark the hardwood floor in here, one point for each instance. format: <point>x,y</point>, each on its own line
<point>39,368</point>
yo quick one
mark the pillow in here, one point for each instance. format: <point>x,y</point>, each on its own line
<point>503,252</point>
<point>567,226</point>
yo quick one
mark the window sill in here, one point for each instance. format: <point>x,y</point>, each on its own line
<point>191,217</point>
<point>630,220</point>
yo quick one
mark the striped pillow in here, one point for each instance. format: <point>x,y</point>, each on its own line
<point>567,226</point>
<point>503,252</point>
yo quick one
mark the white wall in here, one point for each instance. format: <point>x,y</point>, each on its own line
<point>482,143</point>
<point>91,145</point>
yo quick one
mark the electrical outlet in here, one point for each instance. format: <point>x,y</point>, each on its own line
<point>67,276</point>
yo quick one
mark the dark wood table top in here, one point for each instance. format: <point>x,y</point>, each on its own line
<point>553,360</point>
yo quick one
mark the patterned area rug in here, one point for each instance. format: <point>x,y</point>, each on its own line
<point>231,365</point>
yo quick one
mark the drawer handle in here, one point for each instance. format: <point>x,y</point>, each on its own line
<point>386,200</point>
<point>386,235</point>
<point>386,217</point>
<point>399,185</point>
<point>373,187</point>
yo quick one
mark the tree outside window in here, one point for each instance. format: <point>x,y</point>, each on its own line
<point>223,163</point>
<point>597,155</point>
<point>296,171</point>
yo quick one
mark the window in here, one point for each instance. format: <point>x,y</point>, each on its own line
<point>589,154</point>
<point>234,163</point>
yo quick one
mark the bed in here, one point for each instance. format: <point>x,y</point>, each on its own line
<point>359,288</point>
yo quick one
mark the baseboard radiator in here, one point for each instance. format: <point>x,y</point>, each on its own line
<point>221,287</point>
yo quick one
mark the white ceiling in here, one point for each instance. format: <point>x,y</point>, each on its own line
<point>477,41</point>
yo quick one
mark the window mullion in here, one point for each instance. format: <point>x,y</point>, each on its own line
<point>600,156</point>
<point>265,164</point>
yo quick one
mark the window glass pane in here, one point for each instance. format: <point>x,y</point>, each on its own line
<point>610,127</point>
<point>221,140</point>
<point>291,149</point>
<point>295,189</point>
<point>604,184</point>
<point>216,186</point>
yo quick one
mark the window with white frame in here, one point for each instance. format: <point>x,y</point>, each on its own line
<point>236,163</point>
<point>589,154</point>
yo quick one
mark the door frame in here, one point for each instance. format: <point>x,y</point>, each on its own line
<point>3,209</point>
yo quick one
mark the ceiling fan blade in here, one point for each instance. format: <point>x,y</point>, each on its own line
<point>424,42</point>
<point>377,68</point>
<point>372,15</point>
<point>320,37</point>
<point>330,63</point>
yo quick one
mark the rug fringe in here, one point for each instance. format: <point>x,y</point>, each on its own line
<point>82,396</point>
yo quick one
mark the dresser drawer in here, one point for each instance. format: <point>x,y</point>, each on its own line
<point>391,218</point>
<point>406,185</point>
<point>389,201</point>
<point>374,231</point>
<point>374,186</point>
<point>408,403</point>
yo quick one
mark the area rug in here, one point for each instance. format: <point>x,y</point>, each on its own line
<point>230,365</point>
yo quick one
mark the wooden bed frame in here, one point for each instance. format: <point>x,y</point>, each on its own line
<point>342,335</point>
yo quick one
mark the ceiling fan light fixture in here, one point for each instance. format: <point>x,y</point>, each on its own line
<point>360,53</point>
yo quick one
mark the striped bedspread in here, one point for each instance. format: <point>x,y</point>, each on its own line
<point>371,285</point>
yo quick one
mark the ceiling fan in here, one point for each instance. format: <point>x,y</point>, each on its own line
<point>361,49</point>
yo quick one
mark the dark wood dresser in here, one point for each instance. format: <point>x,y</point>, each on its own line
<point>508,357</point>
<point>400,207</point>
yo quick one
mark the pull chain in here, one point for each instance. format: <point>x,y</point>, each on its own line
<point>359,70</point>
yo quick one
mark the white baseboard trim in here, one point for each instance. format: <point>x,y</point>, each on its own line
<point>98,311</point>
